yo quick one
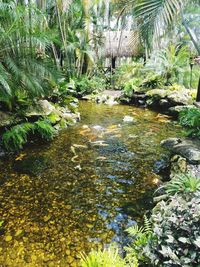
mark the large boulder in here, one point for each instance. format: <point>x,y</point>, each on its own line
<point>189,149</point>
<point>167,98</point>
<point>180,97</point>
<point>157,93</point>
<point>43,108</point>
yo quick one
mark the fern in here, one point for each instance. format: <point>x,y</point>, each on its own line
<point>147,225</point>
<point>45,129</point>
<point>16,137</point>
<point>141,237</point>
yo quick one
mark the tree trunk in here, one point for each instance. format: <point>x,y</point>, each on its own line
<point>113,63</point>
<point>196,45</point>
<point>198,92</point>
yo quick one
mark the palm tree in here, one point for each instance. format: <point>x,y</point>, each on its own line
<point>155,17</point>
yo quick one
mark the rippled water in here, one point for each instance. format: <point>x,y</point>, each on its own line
<point>81,190</point>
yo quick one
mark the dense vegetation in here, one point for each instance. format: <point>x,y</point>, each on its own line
<point>52,52</point>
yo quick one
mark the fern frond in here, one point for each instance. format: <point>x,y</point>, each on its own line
<point>147,225</point>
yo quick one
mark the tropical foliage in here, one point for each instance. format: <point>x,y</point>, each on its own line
<point>190,118</point>
<point>141,236</point>
<point>17,136</point>
<point>25,69</point>
<point>181,184</point>
<point>177,232</point>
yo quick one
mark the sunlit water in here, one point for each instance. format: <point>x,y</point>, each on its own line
<point>65,197</point>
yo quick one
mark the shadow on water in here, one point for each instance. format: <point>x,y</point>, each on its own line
<point>83,189</point>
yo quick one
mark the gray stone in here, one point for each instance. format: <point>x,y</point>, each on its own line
<point>157,93</point>
<point>180,97</point>
<point>189,149</point>
<point>178,166</point>
<point>43,108</point>
<point>129,119</point>
<point>193,170</point>
<point>177,109</point>
<point>6,119</point>
<point>170,143</point>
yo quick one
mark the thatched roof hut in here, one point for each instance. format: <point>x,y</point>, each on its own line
<point>122,44</point>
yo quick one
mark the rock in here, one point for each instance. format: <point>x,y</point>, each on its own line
<point>197,104</point>
<point>7,119</point>
<point>69,118</point>
<point>180,97</point>
<point>170,142</point>
<point>108,97</point>
<point>43,108</point>
<point>177,109</point>
<point>164,103</point>
<point>157,93</point>
<point>2,152</point>
<point>178,165</point>
<point>111,102</point>
<point>193,170</point>
<point>8,238</point>
<point>78,168</point>
<point>162,166</point>
<point>189,149</point>
<point>128,119</point>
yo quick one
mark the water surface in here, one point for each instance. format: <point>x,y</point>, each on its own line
<point>81,190</point>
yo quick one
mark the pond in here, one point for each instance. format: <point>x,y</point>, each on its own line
<point>83,189</point>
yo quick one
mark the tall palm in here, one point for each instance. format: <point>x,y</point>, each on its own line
<point>155,17</point>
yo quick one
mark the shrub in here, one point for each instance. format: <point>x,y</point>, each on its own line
<point>175,87</point>
<point>127,72</point>
<point>86,85</point>
<point>152,81</point>
<point>176,227</point>
<point>131,86</point>
<point>190,118</point>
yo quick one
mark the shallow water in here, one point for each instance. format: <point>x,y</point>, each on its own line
<point>81,190</point>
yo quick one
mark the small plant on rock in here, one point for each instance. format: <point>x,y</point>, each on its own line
<point>184,183</point>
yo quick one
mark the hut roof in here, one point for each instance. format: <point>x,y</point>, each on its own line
<point>122,44</point>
